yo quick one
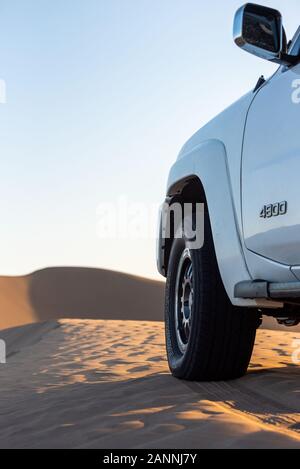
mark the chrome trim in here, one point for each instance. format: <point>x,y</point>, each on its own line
<point>243,44</point>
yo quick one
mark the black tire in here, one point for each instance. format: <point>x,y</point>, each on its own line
<point>219,342</point>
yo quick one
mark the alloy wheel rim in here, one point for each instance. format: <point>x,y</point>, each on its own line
<point>184,300</point>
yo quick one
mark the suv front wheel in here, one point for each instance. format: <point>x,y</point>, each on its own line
<point>207,338</point>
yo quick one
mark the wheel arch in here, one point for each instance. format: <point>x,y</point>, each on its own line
<point>185,190</point>
<point>202,175</point>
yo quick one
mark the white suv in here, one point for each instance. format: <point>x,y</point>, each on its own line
<point>244,167</point>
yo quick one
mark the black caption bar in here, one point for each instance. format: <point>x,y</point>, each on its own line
<point>86,458</point>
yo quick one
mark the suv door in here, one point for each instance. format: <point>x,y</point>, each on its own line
<point>271,169</point>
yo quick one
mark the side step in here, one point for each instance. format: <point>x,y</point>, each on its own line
<point>263,289</point>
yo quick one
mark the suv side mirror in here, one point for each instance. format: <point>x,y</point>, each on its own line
<point>259,30</point>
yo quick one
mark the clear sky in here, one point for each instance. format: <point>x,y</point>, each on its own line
<point>101,95</point>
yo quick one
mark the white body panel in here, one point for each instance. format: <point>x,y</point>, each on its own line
<point>271,169</point>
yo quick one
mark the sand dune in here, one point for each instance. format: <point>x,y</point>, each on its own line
<point>77,292</point>
<point>105,384</point>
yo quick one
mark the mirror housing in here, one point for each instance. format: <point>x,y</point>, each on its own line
<point>259,31</point>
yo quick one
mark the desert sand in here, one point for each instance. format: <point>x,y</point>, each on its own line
<point>83,382</point>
